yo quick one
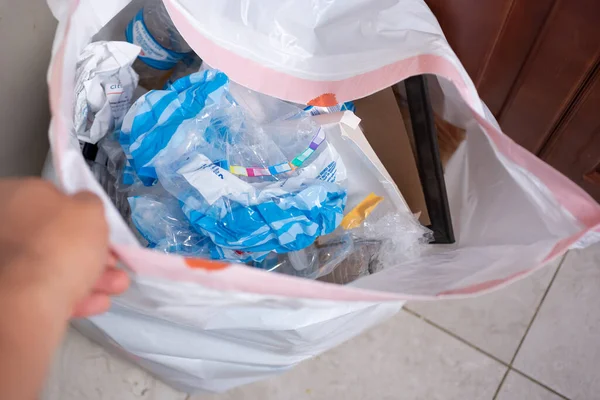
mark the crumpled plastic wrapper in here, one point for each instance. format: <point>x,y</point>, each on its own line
<point>382,242</point>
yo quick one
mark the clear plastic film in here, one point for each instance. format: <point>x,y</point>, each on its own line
<point>381,238</point>
<point>251,187</point>
<point>360,262</point>
<point>254,188</point>
<point>262,108</point>
<point>108,166</point>
<point>401,235</point>
<point>161,223</point>
<point>316,260</point>
<point>257,180</point>
<point>154,118</point>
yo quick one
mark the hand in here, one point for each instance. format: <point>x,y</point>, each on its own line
<point>57,245</point>
<point>54,264</point>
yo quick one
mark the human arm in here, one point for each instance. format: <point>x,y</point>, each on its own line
<point>54,264</point>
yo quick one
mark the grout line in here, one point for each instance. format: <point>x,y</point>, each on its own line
<point>537,309</point>
<point>455,336</point>
<point>508,365</point>
<point>548,388</point>
<point>497,392</point>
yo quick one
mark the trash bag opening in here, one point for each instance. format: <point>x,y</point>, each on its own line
<point>200,166</point>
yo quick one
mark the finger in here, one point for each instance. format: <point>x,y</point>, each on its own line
<point>88,198</point>
<point>113,281</point>
<point>94,304</point>
<point>89,239</point>
<point>90,210</point>
<point>112,260</point>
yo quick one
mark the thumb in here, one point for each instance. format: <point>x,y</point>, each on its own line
<point>86,234</point>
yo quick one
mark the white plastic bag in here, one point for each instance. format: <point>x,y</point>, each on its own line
<point>201,325</point>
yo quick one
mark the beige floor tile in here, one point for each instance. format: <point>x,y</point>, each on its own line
<point>495,322</point>
<point>405,358</point>
<point>83,370</point>
<point>562,348</point>
<point>517,387</point>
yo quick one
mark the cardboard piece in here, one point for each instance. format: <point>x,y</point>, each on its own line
<point>384,128</point>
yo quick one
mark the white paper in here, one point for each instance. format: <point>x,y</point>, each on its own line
<point>105,82</point>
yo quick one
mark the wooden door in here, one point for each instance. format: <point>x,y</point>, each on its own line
<point>562,60</point>
<point>535,65</point>
<point>493,39</point>
<point>574,149</point>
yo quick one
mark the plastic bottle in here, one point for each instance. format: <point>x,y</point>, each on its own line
<point>162,46</point>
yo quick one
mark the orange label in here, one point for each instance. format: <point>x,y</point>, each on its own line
<point>208,265</point>
<point>324,100</point>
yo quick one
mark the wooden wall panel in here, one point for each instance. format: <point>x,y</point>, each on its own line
<point>471,27</point>
<point>515,40</point>
<point>536,65</point>
<point>558,65</point>
<point>492,38</point>
<point>575,147</point>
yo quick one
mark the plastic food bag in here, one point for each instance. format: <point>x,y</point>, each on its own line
<point>153,119</point>
<point>209,326</point>
<point>262,108</point>
<point>312,262</point>
<point>161,223</point>
<point>380,239</point>
<point>359,263</point>
<point>401,235</point>
<point>250,187</point>
<point>255,214</point>
<point>163,227</point>
<point>104,88</point>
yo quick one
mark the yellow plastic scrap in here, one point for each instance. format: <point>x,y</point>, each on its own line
<point>358,214</point>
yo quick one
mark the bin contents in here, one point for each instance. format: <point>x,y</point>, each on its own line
<point>312,262</point>
<point>162,45</point>
<point>203,167</point>
<point>380,238</point>
<point>104,86</point>
<point>355,217</point>
<point>252,189</point>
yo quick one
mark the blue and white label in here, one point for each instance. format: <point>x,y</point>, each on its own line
<point>212,181</point>
<point>328,174</point>
<point>152,53</point>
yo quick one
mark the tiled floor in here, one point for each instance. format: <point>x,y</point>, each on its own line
<point>538,339</point>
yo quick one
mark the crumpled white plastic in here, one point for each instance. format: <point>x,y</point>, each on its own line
<point>104,86</point>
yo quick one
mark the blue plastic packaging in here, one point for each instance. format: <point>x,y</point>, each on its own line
<point>251,188</point>
<point>153,119</point>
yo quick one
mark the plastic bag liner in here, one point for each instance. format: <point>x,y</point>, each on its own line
<point>212,326</point>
